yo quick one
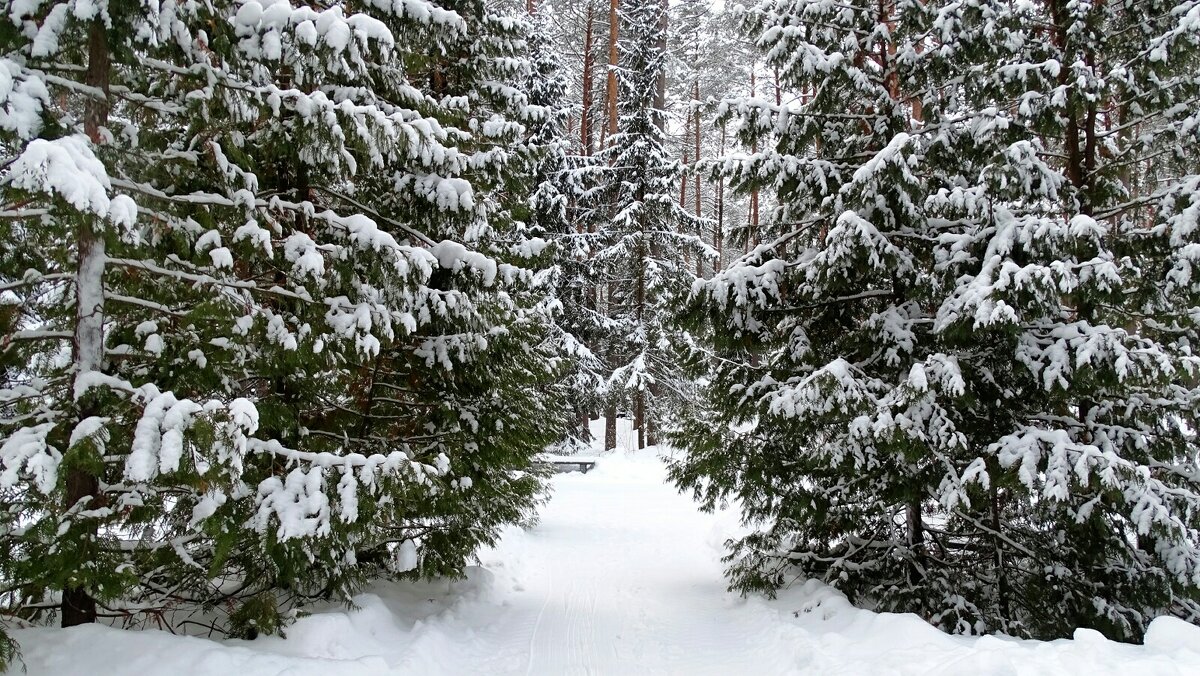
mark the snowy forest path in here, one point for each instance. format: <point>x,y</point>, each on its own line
<point>622,575</point>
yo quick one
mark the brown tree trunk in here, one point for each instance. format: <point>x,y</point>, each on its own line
<point>584,422</point>
<point>1002,591</point>
<point>719,228</point>
<point>610,427</point>
<point>916,539</point>
<point>639,409</point>
<point>887,57</point>
<point>78,604</point>
<point>585,114</point>
<point>585,125</point>
<point>698,202</point>
<point>752,216</point>
<point>610,91</point>
<point>660,85</point>
<point>639,417</point>
<point>683,179</point>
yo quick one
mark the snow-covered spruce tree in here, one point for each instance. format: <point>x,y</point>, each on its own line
<point>641,252</point>
<point>1069,240</point>
<point>484,383</point>
<point>275,373</point>
<point>553,213</point>
<point>956,378</point>
<point>816,330</point>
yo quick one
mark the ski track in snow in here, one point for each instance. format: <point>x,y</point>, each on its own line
<point>623,579</point>
<point>622,575</point>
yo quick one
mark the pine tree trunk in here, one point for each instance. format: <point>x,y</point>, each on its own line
<point>683,179</point>
<point>719,228</point>
<point>696,181</point>
<point>1002,591</point>
<point>683,190</point>
<point>1080,167</point>
<point>610,92</point>
<point>584,421</point>
<point>639,414</point>
<point>639,417</point>
<point>660,84</point>
<point>585,114</point>
<point>78,605</point>
<point>916,539</point>
<point>610,427</point>
<point>752,216</point>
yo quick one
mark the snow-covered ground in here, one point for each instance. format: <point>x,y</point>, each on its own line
<point>622,576</point>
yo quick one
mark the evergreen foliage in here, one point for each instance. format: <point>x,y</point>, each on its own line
<point>957,377</point>
<point>642,252</point>
<point>555,214</point>
<point>273,325</point>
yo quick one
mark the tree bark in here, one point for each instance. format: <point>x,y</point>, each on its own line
<point>610,427</point>
<point>696,158</point>
<point>78,604</point>
<point>639,417</point>
<point>584,421</point>
<point>660,83</point>
<point>1002,592</point>
<point>639,409</point>
<point>585,114</point>
<point>916,539</point>
<point>719,228</point>
<point>752,216</point>
<point>610,92</point>
<point>683,179</point>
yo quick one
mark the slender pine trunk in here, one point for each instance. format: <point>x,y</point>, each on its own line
<point>82,487</point>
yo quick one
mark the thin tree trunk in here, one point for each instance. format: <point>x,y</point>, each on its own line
<point>585,129</point>
<point>78,604</point>
<point>887,56</point>
<point>660,84</point>
<point>719,228</point>
<point>639,409</point>
<point>698,204</point>
<point>610,130</point>
<point>584,421</point>
<point>610,92</point>
<point>639,417</point>
<point>683,188</point>
<point>683,179</point>
<point>916,540</point>
<point>585,114</point>
<point>753,215</point>
<point>1080,168</point>
<point>1002,592</point>
<point>918,110</point>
